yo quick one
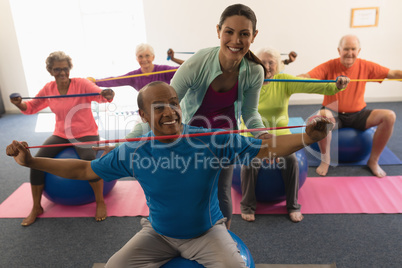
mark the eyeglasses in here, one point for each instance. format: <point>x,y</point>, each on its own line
<point>58,70</point>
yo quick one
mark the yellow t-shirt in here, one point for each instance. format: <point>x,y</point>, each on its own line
<point>274,100</point>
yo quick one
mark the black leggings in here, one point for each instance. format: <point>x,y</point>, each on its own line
<point>85,152</point>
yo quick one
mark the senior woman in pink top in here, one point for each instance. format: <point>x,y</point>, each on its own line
<point>74,123</point>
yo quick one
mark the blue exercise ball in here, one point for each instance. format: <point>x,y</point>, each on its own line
<point>71,192</point>
<point>350,145</point>
<point>244,251</point>
<point>180,262</point>
<point>270,186</point>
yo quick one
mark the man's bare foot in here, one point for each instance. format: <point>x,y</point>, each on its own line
<point>101,212</point>
<point>248,217</point>
<point>322,169</point>
<point>296,216</point>
<point>35,212</point>
<point>376,169</point>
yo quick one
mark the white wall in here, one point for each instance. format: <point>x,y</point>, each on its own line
<point>101,36</point>
<point>312,28</point>
<point>12,76</point>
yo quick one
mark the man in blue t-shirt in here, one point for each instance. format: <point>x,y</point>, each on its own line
<point>179,176</point>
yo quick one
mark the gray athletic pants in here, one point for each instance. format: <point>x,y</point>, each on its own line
<point>147,249</point>
<point>225,192</point>
<point>290,176</point>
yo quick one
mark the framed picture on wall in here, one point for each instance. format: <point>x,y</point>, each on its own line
<point>364,17</point>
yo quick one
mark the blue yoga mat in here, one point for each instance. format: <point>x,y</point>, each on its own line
<point>386,158</point>
<point>296,121</point>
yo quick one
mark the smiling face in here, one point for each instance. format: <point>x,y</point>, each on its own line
<point>270,64</point>
<point>61,71</point>
<point>349,49</point>
<point>161,109</point>
<point>145,59</point>
<point>236,35</point>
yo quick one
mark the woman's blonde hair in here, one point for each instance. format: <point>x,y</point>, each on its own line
<point>144,47</point>
<point>275,54</point>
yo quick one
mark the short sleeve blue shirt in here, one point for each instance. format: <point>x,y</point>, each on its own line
<point>179,179</point>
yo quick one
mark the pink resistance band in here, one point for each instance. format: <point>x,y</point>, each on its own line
<point>163,137</point>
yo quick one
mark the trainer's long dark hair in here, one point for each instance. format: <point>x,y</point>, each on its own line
<point>242,10</point>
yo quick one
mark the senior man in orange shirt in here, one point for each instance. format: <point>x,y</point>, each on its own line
<point>349,106</point>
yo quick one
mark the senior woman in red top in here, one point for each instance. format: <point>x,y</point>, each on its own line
<point>74,123</point>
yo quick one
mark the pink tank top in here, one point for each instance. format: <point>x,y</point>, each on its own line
<point>217,110</point>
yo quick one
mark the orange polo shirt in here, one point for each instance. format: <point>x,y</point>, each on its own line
<point>351,99</point>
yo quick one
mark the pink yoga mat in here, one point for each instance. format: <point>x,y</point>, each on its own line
<point>337,195</point>
<point>126,199</point>
<point>319,195</point>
